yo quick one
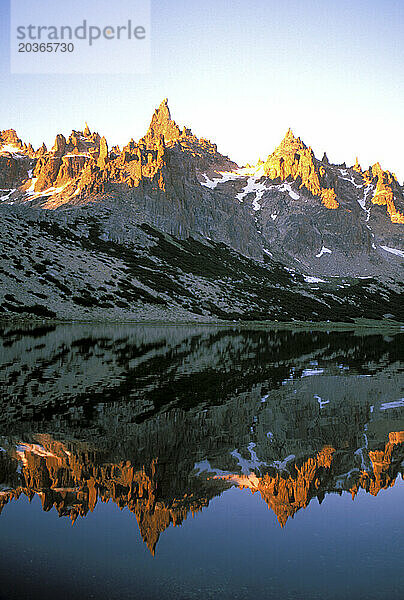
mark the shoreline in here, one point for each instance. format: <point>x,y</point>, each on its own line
<point>358,324</point>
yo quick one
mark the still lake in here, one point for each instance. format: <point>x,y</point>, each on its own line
<point>200,462</point>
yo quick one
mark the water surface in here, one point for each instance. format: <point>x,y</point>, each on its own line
<point>181,462</point>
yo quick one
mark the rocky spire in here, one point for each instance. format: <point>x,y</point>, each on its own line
<point>41,151</point>
<point>357,166</point>
<point>290,140</point>
<point>325,159</point>
<point>162,125</point>
<point>86,131</point>
<point>103,156</point>
<point>289,134</point>
<point>59,145</point>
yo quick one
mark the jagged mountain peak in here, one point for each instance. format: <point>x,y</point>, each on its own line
<point>9,136</point>
<point>41,150</point>
<point>11,144</point>
<point>78,142</point>
<point>387,192</point>
<point>164,106</point>
<point>357,167</point>
<point>162,126</point>
<point>292,158</point>
<point>291,142</point>
<point>289,134</point>
<point>378,170</point>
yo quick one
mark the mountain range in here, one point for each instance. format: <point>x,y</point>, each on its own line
<point>167,228</point>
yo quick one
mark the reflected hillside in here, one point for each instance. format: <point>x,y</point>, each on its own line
<point>56,369</point>
<point>162,421</point>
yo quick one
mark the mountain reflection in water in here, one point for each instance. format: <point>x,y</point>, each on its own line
<point>162,420</point>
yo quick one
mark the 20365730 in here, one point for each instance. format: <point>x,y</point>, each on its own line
<point>45,47</point>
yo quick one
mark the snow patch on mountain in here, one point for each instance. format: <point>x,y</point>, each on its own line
<point>323,250</point>
<point>309,279</point>
<point>393,251</point>
<point>282,465</point>
<point>369,190</point>
<point>394,404</point>
<point>286,187</point>
<point>72,155</point>
<point>345,176</point>
<point>224,176</point>
<point>253,186</point>
<point>11,149</point>
<point>7,196</point>
<point>203,466</point>
<point>52,191</point>
<point>31,189</point>
<point>311,372</point>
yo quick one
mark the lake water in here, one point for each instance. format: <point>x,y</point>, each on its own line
<point>200,462</point>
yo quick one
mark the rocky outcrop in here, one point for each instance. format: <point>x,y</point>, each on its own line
<point>161,125</point>
<point>41,151</point>
<point>387,191</point>
<point>16,161</point>
<point>66,162</point>
<point>292,158</point>
<point>357,166</point>
<point>9,137</point>
<point>13,172</point>
<point>103,154</point>
<point>10,143</point>
<point>59,147</point>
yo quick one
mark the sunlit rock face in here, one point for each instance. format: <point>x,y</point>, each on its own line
<point>293,159</point>
<point>162,125</point>
<point>387,192</point>
<point>65,162</point>
<point>160,421</point>
<point>82,166</point>
<point>10,143</point>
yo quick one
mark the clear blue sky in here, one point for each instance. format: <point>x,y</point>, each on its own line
<point>240,73</point>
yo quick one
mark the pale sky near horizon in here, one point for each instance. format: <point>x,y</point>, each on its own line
<point>240,73</point>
